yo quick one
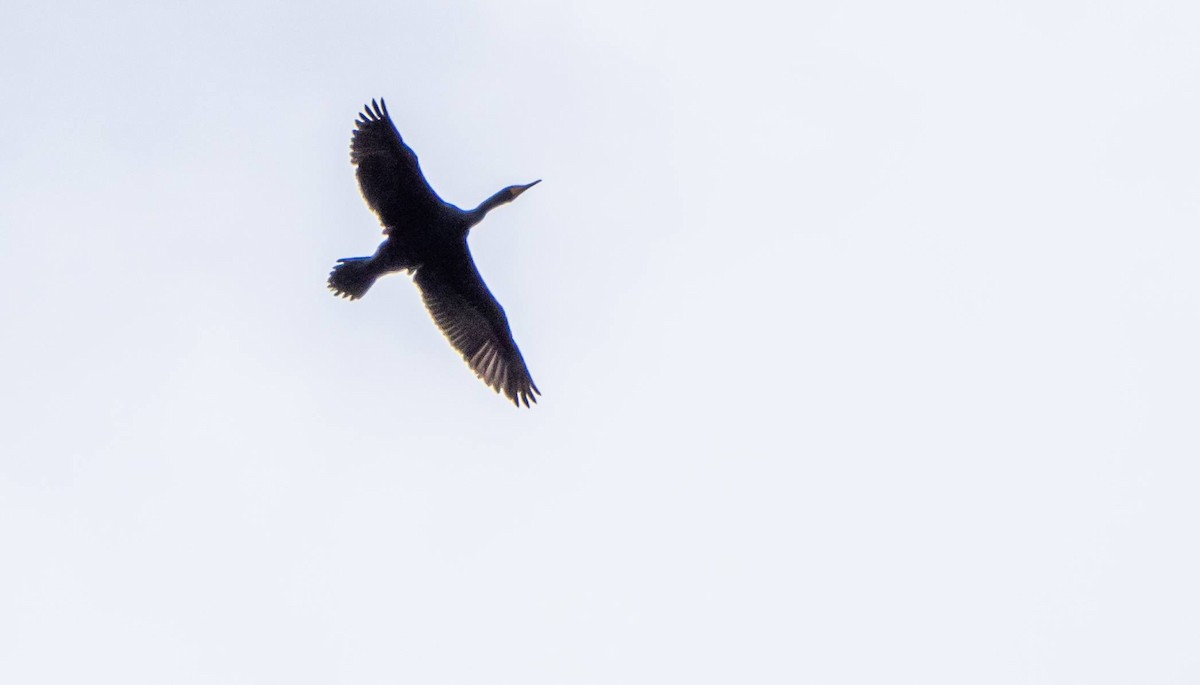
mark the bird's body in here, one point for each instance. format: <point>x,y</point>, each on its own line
<point>427,237</point>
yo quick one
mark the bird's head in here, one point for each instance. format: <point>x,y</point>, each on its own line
<point>515,191</point>
<point>502,197</point>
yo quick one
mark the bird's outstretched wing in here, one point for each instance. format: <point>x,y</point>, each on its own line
<point>475,324</point>
<point>388,172</point>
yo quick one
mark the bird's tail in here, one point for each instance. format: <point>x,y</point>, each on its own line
<point>352,277</point>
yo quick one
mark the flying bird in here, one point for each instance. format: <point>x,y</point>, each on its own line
<point>427,237</point>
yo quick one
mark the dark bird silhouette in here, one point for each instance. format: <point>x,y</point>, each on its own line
<point>427,237</point>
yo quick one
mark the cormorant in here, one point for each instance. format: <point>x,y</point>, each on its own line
<point>427,237</point>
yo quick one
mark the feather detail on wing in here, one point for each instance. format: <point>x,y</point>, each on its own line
<point>388,172</point>
<point>475,324</point>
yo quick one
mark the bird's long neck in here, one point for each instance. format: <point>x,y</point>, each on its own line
<point>502,197</point>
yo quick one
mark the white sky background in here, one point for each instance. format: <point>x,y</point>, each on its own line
<point>867,336</point>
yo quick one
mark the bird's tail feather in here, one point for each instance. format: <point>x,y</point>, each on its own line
<point>352,277</point>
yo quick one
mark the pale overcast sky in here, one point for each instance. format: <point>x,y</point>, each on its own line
<point>868,335</point>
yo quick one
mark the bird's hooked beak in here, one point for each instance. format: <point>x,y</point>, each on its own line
<point>517,190</point>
